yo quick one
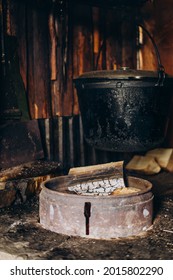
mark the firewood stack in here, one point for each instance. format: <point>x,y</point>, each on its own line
<point>152,162</point>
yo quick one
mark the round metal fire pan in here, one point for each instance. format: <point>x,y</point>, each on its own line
<point>101,217</point>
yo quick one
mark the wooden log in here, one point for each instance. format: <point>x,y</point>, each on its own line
<point>19,183</point>
<point>7,196</point>
<point>18,191</point>
<point>30,169</point>
<point>112,168</point>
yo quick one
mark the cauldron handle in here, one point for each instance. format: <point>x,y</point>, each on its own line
<point>161,69</point>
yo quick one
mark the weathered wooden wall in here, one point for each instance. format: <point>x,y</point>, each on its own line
<point>29,24</point>
<point>55,49</point>
<point>158,20</point>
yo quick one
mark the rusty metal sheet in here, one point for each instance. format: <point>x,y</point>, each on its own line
<point>20,142</point>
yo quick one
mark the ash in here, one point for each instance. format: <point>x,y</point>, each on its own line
<point>98,187</point>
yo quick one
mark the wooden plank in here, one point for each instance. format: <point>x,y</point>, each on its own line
<point>111,168</point>
<point>82,40</point>
<point>158,22</point>
<point>15,49</point>
<point>38,62</point>
<point>113,41</point>
<point>16,22</point>
<point>67,95</point>
<point>62,90</point>
<point>128,32</point>
<point>97,55</point>
<point>55,31</point>
<point>53,46</point>
<point>74,56</point>
<point>82,45</point>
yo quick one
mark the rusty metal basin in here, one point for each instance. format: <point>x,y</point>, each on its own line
<point>101,217</point>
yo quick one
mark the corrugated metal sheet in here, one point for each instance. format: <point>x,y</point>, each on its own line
<point>63,142</point>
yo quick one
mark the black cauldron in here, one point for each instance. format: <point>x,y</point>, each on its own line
<point>124,110</point>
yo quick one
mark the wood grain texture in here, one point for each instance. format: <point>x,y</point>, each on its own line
<point>38,63</point>
<point>158,20</point>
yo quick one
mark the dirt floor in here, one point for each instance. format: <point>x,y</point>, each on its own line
<point>22,237</point>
